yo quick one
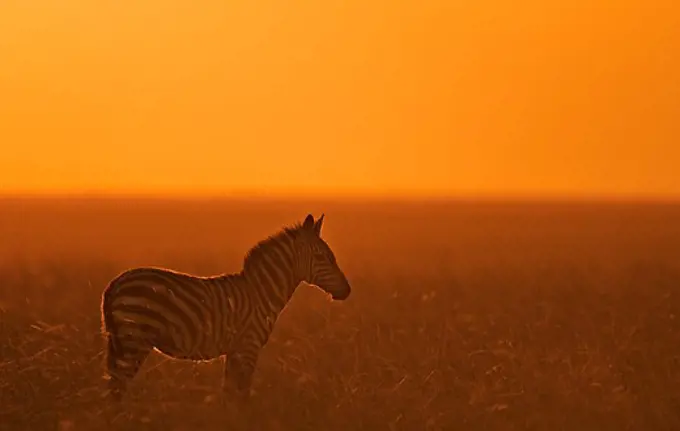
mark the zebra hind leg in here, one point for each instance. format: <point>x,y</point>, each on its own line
<point>125,356</point>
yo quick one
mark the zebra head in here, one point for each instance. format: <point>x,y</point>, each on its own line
<point>321,268</point>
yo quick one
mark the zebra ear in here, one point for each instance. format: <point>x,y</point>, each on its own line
<point>309,222</point>
<point>318,224</point>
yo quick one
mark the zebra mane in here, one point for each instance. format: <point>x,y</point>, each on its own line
<point>258,249</point>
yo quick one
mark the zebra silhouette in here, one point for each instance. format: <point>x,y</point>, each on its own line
<point>203,318</point>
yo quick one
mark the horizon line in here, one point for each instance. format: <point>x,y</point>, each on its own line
<point>250,195</point>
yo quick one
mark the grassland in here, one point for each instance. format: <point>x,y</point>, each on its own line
<point>463,316</point>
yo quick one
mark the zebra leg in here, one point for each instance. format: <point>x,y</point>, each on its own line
<point>238,372</point>
<point>125,356</point>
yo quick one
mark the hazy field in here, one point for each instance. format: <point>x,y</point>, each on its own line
<point>463,316</point>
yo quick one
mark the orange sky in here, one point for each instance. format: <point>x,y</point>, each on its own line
<point>445,97</point>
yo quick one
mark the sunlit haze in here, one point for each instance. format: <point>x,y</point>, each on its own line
<point>578,98</point>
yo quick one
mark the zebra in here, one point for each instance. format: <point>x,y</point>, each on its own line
<point>228,316</point>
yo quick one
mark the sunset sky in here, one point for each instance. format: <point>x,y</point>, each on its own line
<point>487,97</point>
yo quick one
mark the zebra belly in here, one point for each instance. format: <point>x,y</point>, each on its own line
<point>202,345</point>
<point>188,356</point>
<point>198,353</point>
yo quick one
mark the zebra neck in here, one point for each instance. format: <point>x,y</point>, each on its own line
<point>271,288</point>
<point>270,270</point>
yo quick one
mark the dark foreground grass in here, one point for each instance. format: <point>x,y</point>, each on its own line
<point>510,338</point>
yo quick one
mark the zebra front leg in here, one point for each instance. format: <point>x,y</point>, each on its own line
<point>239,369</point>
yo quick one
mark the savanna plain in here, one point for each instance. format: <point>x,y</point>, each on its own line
<point>463,315</point>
